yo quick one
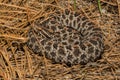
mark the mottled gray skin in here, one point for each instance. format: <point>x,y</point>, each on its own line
<point>66,37</point>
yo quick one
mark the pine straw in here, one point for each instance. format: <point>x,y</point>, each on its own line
<point>19,62</point>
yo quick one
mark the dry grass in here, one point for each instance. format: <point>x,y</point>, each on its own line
<point>17,62</point>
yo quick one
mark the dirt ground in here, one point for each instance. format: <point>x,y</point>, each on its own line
<point>18,62</point>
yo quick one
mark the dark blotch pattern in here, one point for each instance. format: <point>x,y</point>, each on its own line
<point>83,56</point>
<point>69,57</point>
<point>91,50</point>
<point>77,52</point>
<point>33,39</point>
<point>82,46</point>
<point>55,45</point>
<point>66,37</point>
<point>67,21</point>
<point>53,54</point>
<point>76,14</point>
<point>48,48</point>
<point>69,47</point>
<point>67,12</point>
<point>71,17</point>
<point>63,16</point>
<point>61,51</point>
<point>78,19</point>
<point>53,22</point>
<point>93,42</point>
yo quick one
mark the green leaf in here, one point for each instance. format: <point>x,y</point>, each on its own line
<point>74,4</point>
<point>99,6</point>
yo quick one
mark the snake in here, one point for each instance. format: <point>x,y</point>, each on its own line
<point>66,37</point>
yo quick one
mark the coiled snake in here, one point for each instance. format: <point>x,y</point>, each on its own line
<point>66,37</point>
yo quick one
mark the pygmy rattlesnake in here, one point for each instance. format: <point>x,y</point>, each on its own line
<point>66,37</point>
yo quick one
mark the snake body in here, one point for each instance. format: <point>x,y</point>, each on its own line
<point>66,37</point>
